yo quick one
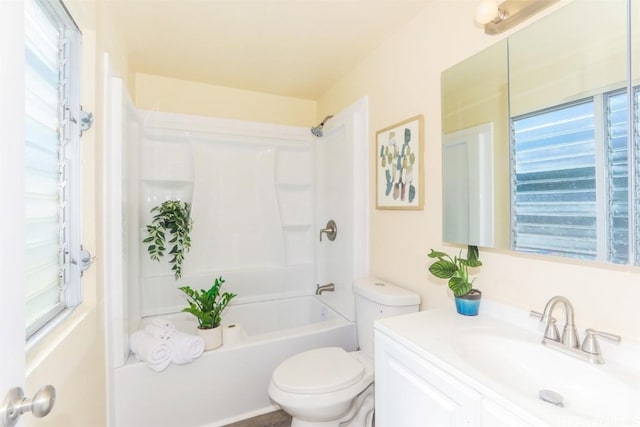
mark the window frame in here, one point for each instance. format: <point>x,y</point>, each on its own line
<point>69,163</point>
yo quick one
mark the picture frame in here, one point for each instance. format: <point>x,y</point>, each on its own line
<point>399,165</point>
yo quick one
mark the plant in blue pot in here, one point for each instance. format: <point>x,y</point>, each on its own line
<point>456,269</point>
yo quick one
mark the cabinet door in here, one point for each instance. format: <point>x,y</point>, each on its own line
<point>494,415</point>
<point>412,393</point>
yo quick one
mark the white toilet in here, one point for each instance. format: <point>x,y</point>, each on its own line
<point>329,387</point>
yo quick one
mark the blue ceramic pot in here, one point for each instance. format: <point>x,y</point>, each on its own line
<point>469,304</point>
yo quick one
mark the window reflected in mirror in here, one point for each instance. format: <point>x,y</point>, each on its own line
<point>569,134</point>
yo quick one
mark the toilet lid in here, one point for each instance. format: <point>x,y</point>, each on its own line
<point>322,370</point>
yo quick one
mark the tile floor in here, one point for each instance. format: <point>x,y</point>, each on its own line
<point>272,419</point>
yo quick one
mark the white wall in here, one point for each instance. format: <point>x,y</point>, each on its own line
<point>158,93</point>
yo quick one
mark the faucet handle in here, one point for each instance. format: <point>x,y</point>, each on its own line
<point>551,331</point>
<point>535,314</point>
<point>540,316</point>
<point>590,343</point>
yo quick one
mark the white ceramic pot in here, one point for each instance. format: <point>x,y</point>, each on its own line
<point>212,337</point>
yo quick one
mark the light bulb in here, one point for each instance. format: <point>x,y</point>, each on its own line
<point>486,11</point>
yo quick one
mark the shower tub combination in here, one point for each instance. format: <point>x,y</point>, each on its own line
<point>260,234</point>
<point>230,383</point>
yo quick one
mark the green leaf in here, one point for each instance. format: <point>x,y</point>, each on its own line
<point>473,253</point>
<point>171,224</point>
<point>436,254</point>
<point>459,286</point>
<point>443,269</point>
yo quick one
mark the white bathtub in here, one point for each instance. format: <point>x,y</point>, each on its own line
<point>230,383</point>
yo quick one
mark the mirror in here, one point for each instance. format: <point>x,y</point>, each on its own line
<point>475,150</point>
<point>542,146</point>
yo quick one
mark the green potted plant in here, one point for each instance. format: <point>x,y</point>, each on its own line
<point>207,306</point>
<point>456,269</point>
<point>170,226</point>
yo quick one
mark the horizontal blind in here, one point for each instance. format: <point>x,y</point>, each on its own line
<point>618,177</point>
<point>44,151</point>
<point>554,182</point>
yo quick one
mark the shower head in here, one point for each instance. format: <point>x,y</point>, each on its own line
<point>317,130</point>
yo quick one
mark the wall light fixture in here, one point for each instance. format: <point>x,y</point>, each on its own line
<point>498,17</point>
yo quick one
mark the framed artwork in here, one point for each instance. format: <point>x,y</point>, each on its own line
<point>399,165</point>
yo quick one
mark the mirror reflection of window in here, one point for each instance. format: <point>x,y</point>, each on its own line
<point>569,134</point>
<point>563,202</point>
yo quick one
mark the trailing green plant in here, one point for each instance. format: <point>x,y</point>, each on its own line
<point>171,221</point>
<point>456,269</point>
<point>207,305</point>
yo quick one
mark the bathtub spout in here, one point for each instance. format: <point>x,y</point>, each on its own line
<point>329,287</point>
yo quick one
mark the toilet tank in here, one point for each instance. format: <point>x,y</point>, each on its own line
<point>376,299</point>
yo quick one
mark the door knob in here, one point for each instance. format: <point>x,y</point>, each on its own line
<point>15,404</point>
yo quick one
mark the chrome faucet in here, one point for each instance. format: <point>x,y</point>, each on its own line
<point>569,332</point>
<point>328,287</point>
<point>569,342</point>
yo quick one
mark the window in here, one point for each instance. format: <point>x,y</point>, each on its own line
<point>52,162</point>
<point>570,179</point>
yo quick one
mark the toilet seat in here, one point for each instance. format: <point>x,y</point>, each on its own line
<point>317,371</point>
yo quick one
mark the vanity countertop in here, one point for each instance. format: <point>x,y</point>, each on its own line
<point>499,354</point>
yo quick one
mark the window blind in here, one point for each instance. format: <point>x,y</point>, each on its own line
<point>554,181</point>
<point>48,32</point>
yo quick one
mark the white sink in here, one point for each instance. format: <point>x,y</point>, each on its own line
<point>516,359</point>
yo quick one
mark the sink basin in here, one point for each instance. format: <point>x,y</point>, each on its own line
<point>515,360</point>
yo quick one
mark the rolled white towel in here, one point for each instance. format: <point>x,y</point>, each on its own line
<point>156,353</point>
<point>185,347</point>
<point>161,328</point>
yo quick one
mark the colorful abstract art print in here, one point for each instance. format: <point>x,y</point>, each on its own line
<point>399,165</point>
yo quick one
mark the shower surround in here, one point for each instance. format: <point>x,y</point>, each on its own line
<point>252,205</point>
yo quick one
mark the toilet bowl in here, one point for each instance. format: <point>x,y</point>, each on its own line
<point>330,387</point>
<point>319,387</point>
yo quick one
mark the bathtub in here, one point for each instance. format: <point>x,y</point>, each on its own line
<point>230,383</point>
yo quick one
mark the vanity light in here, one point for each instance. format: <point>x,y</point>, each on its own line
<point>498,17</point>
<point>487,11</point>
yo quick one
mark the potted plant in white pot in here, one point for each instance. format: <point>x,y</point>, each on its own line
<point>456,269</point>
<point>207,306</point>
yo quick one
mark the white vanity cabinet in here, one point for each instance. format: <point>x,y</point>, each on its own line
<point>410,391</point>
<point>494,415</point>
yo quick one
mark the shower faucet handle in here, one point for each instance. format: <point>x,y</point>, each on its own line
<point>331,230</point>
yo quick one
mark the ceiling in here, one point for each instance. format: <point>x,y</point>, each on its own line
<point>296,48</point>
